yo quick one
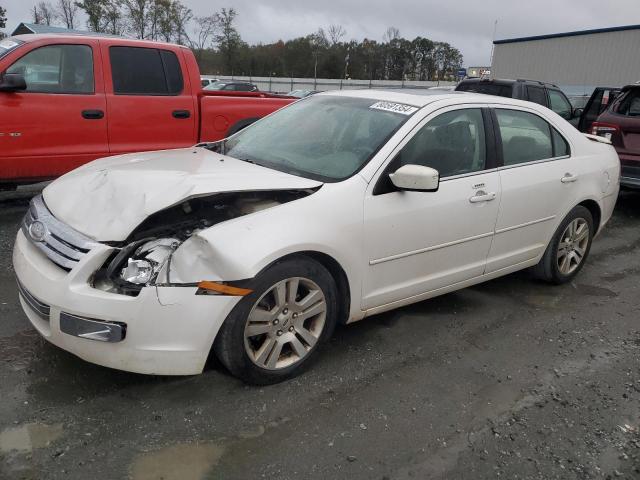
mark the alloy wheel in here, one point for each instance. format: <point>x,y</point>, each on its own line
<point>285,323</point>
<point>573,246</point>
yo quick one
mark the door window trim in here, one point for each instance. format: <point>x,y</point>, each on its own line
<point>45,92</point>
<point>498,139</point>
<point>491,152</point>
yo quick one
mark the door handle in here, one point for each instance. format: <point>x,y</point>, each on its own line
<point>568,178</point>
<point>92,114</point>
<point>181,114</point>
<point>482,196</point>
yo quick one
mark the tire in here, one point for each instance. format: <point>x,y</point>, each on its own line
<point>552,267</point>
<point>266,322</point>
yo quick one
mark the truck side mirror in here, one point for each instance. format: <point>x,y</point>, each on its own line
<point>12,82</point>
<point>577,112</point>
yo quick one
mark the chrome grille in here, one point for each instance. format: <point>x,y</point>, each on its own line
<point>62,244</point>
<point>41,309</point>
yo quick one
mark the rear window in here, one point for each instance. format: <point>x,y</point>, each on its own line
<point>145,71</point>
<point>630,104</point>
<point>487,88</point>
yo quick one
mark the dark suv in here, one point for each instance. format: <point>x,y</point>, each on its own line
<point>545,94</point>
<point>620,123</point>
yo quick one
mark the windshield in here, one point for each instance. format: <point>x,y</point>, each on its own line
<point>9,44</point>
<point>326,138</point>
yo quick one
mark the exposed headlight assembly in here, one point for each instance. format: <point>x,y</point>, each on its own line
<point>148,259</point>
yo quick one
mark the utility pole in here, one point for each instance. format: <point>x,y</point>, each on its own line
<point>493,46</point>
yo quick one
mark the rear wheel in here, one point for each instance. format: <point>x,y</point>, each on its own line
<point>568,250</point>
<point>274,333</point>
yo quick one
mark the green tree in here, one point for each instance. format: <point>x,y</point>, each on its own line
<point>96,11</point>
<point>3,21</point>
<point>227,38</point>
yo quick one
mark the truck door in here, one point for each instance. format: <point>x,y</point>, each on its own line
<point>57,123</point>
<point>149,100</point>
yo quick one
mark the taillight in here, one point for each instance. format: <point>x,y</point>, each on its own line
<point>605,130</point>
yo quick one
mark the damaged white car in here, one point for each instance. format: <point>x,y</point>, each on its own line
<point>337,207</point>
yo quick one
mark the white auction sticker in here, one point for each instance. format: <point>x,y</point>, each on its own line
<point>395,108</point>
<point>7,44</point>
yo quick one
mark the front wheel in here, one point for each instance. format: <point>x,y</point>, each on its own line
<point>274,333</point>
<point>568,250</point>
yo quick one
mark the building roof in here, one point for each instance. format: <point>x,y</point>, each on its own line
<point>567,34</point>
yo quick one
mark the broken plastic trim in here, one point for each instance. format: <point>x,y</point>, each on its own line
<point>206,287</point>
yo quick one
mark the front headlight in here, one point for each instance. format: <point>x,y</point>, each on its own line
<point>147,261</point>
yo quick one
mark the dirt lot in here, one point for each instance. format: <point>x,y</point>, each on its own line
<point>512,379</point>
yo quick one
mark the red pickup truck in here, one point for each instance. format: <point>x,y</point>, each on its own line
<point>68,99</point>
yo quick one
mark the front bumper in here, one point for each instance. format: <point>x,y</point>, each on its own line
<point>169,330</point>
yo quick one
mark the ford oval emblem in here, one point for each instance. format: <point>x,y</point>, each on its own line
<point>37,231</point>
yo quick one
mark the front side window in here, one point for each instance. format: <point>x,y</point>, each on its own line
<point>560,104</point>
<point>528,138</point>
<point>145,71</point>
<point>452,143</point>
<point>57,69</point>
<point>324,137</point>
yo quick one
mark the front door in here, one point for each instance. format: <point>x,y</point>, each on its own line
<point>148,98</point>
<point>418,242</point>
<point>59,122</point>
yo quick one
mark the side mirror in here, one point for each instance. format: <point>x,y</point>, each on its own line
<point>416,178</point>
<point>577,112</point>
<point>12,82</point>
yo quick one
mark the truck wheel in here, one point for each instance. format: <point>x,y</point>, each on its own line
<point>569,248</point>
<point>273,334</point>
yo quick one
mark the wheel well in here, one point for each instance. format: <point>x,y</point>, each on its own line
<point>594,208</point>
<point>339,276</point>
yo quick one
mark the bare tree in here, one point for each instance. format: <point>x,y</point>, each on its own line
<point>67,11</point>
<point>391,34</point>
<point>206,30</point>
<point>336,32</point>
<point>45,12</point>
<point>113,21</point>
<point>181,17</point>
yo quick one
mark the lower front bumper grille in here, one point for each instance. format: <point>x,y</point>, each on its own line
<point>39,308</point>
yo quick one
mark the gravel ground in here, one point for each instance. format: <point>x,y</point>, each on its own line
<point>513,379</point>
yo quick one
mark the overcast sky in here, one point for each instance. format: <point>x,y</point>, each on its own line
<point>466,24</point>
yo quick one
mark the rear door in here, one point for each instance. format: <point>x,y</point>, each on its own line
<point>627,114</point>
<point>537,175</point>
<point>149,100</point>
<point>58,122</point>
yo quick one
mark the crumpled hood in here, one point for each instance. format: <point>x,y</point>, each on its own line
<point>106,199</point>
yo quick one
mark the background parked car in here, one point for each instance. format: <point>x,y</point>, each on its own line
<point>620,123</point>
<point>232,86</point>
<point>204,80</point>
<point>545,94</point>
<point>301,93</point>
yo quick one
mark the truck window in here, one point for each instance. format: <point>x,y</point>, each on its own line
<point>145,71</point>
<point>537,95</point>
<point>560,104</point>
<point>57,69</point>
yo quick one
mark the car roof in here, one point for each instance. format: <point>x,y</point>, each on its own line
<point>507,81</point>
<point>422,97</point>
<point>32,37</point>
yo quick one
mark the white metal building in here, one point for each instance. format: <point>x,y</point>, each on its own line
<point>573,60</point>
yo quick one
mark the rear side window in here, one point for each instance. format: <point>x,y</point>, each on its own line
<point>630,104</point>
<point>57,69</point>
<point>487,88</point>
<point>525,137</point>
<point>560,104</point>
<point>145,71</point>
<point>537,95</point>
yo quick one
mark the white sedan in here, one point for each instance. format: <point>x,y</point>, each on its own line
<point>337,207</point>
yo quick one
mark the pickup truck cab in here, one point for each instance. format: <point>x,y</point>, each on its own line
<point>68,99</point>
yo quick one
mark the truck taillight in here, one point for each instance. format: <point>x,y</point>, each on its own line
<point>605,130</point>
